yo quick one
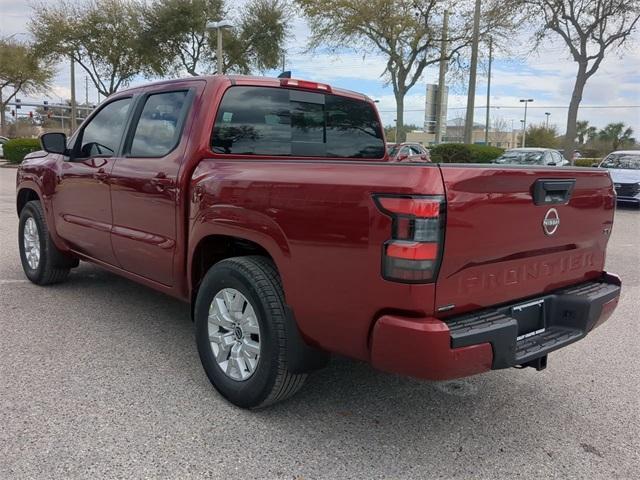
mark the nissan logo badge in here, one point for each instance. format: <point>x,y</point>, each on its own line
<point>551,221</point>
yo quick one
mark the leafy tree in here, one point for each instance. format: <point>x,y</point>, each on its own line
<point>407,33</point>
<point>102,36</point>
<point>590,29</point>
<point>585,132</point>
<point>390,131</point>
<point>21,70</point>
<point>176,30</point>
<point>541,136</point>
<point>616,135</point>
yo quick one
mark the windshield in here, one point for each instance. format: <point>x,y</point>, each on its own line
<point>627,161</point>
<point>521,158</point>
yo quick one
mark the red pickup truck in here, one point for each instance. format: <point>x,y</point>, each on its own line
<point>270,205</point>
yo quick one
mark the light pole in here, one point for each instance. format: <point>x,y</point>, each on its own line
<point>219,26</point>
<point>548,114</point>
<point>73,96</point>
<point>524,122</point>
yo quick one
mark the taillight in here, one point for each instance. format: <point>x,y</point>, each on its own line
<point>292,82</point>
<point>414,251</point>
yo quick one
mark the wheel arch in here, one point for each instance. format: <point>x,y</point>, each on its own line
<point>25,195</point>
<point>214,248</point>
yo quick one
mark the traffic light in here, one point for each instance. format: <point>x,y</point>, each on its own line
<point>46,105</point>
<point>18,102</point>
<point>13,113</point>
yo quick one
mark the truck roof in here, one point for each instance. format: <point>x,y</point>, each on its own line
<point>255,80</point>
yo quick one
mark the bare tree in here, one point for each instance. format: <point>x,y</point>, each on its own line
<point>590,29</point>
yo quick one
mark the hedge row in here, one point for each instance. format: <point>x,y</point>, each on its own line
<point>586,162</point>
<point>16,149</point>
<point>461,153</point>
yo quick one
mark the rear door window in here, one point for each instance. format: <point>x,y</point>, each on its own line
<point>159,126</point>
<point>286,122</point>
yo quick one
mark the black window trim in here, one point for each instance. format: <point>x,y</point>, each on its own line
<point>132,123</point>
<point>244,156</point>
<point>77,136</point>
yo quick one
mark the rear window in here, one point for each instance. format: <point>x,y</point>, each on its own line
<point>287,122</point>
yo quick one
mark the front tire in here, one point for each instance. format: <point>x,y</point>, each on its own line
<point>240,332</point>
<point>42,262</point>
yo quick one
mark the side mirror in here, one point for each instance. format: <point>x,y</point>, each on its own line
<point>552,164</point>
<point>54,142</point>
<point>594,165</point>
<point>402,157</point>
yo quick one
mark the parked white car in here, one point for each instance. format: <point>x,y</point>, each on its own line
<point>3,140</point>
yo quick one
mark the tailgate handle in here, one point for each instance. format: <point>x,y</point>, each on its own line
<point>552,192</point>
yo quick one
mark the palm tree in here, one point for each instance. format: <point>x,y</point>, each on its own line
<point>585,132</point>
<point>616,135</point>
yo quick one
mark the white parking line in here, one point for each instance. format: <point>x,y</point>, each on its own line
<point>3,282</point>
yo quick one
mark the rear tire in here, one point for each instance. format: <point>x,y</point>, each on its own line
<point>42,262</point>
<point>232,289</point>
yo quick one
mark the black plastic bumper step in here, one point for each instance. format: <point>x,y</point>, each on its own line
<point>530,329</point>
<point>551,339</point>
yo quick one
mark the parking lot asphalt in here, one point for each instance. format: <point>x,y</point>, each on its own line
<point>99,377</point>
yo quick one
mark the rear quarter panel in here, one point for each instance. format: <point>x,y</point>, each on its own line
<point>318,221</point>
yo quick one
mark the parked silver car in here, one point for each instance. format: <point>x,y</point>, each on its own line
<point>532,156</point>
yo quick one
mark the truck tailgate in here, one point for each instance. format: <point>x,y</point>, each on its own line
<point>498,245</point>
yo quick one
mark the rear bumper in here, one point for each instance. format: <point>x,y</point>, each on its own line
<point>495,338</point>
<point>629,200</point>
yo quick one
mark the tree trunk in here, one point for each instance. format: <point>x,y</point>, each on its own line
<point>400,135</point>
<point>3,119</point>
<point>572,115</point>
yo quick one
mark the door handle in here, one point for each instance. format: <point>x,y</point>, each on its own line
<point>550,192</point>
<point>101,175</point>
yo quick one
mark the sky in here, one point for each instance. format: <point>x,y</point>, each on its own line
<point>547,76</point>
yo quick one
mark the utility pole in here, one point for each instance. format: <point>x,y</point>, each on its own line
<point>486,127</point>
<point>468,124</point>
<point>86,90</point>
<point>441,79</point>
<point>73,96</point>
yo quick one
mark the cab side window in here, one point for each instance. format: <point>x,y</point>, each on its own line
<point>102,135</point>
<point>159,126</point>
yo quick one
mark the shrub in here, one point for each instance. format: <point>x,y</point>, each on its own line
<point>462,153</point>
<point>586,162</point>
<point>484,153</point>
<point>16,149</point>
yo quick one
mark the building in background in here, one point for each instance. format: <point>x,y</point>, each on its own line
<point>454,133</point>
